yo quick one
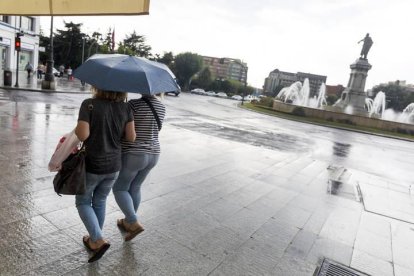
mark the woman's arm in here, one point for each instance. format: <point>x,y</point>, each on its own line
<point>130,132</point>
<point>82,130</point>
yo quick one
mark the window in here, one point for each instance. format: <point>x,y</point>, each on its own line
<point>27,23</point>
<point>5,19</point>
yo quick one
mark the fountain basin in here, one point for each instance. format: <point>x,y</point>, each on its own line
<point>333,114</point>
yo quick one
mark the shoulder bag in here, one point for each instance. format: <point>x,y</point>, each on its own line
<point>71,179</point>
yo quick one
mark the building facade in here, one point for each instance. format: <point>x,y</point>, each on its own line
<point>226,68</point>
<point>278,79</point>
<point>9,27</point>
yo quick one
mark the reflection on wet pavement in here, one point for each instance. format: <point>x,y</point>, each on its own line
<point>270,140</point>
<point>340,149</point>
<point>234,193</point>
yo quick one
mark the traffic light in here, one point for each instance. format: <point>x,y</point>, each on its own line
<point>17,44</point>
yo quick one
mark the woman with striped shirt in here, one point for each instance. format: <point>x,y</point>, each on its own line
<point>138,158</point>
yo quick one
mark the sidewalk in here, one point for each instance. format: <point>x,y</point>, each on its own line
<point>211,207</point>
<point>63,85</point>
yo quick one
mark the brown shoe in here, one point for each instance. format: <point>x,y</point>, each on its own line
<point>133,231</point>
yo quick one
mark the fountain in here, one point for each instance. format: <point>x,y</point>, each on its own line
<point>353,107</point>
<point>376,106</point>
<point>298,94</point>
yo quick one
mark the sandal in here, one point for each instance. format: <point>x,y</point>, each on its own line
<point>121,224</point>
<point>98,252</point>
<point>133,233</point>
<point>85,240</point>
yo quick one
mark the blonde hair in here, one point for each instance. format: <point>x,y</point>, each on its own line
<point>109,95</point>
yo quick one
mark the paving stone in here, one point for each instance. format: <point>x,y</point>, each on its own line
<point>245,222</point>
<point>218,243</point>
<point>245,262</point>
<point>24,230</point>
<point>341,226</point>
<point>301,245</point>
<point>325,248</point>
<point>371,265</point>
<point>374,245</point>
<point>21,258</point>
<point>222,209</point>
<point>293,216</point>
<point>293,267</point>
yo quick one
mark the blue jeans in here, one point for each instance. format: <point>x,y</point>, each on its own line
<point>91,205</point>
<point>127,188</point>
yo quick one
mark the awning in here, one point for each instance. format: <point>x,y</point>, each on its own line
<point>74,7</point>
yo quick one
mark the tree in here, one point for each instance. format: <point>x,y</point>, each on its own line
<point>186,65</point>
<point>397,97</point>
<point>44,41</point>
<point>135,45</point>
<point>204,78</point>
<point>68,45</point>
<point>167,58</point>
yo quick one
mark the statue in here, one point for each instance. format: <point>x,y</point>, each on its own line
<point>367,45</point>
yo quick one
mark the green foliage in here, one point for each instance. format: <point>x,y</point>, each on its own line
<point>167,58</point>
<point>266,101</point>
<point>68,45</point>
<point>186,65</point>
<point>397,96</point>
<point>331,99</point>
<point>276,90</point>
<point>299,111</point>
<point>204,78</point>
<point>134,45</point>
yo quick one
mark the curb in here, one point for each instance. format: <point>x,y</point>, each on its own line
<point>336,127</point>
<point>10,88</point>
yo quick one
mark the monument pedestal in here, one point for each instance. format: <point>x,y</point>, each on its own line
<point>353,97</point>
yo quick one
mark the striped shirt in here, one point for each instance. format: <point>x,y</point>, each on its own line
<point>146,127</point>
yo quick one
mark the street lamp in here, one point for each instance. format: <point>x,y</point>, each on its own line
<point>245,82</point>
<point>49,81</point>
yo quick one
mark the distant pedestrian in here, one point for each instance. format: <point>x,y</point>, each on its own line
<point>61,70</point>
<point>69,72</point>
<point>40,71</point>
<point>29,69</point>
<point>138,159</point>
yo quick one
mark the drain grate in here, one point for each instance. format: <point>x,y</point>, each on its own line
<point>331,268</point>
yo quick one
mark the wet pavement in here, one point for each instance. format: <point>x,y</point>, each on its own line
<point>63,84</point>
<point>235,193</point>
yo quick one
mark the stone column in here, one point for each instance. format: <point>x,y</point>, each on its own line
<point>354,95</point>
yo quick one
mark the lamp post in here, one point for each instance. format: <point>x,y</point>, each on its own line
<point>245,82</point>
<point>49,81</point>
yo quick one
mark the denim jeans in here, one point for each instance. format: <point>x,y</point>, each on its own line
<point>127,188</point>
<point>91,205</point>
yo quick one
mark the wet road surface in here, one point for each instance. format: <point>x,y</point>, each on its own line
<point>236,192</point>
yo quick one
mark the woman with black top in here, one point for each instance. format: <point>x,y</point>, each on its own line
<point>138,158</point>
<point>103,121</point>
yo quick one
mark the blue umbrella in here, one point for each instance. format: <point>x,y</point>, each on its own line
<point>123,73</point>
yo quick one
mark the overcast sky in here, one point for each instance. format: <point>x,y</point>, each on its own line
<point>312,36</point>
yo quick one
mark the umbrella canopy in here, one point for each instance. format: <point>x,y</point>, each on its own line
<point>74,7</point>
<point>123,73</point>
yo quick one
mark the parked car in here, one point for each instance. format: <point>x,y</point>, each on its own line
<point>56,72</point>
<point>198,91</point>
<point>237,97</point>
<point>221,95</point>
<point>176,92</point>
<point>211,93</point>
